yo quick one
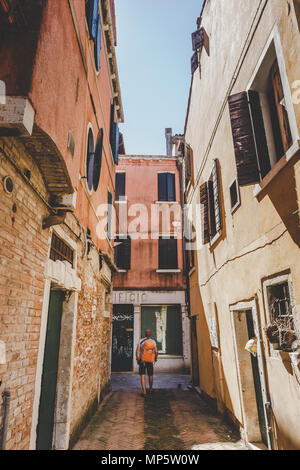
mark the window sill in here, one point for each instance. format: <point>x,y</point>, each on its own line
<point>280,165</point>
<point>168,271</point>
<point>166,202</point>
<point>122,271</point>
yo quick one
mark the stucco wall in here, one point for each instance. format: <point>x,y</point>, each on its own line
<point>261,238</point>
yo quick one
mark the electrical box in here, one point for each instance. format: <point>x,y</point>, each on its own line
<point>2,353</point>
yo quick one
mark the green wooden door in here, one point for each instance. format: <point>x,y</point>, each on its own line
<point>50,369</point>
<point>257,382</point>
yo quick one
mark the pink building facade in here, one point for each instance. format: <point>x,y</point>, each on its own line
<point>149,287</point>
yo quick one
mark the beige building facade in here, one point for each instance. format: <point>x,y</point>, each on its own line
<point>242,143</point>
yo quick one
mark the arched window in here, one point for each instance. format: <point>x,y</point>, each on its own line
<point>98,160</point>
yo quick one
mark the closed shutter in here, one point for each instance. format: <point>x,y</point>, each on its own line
<point>168,253</point>
<point>204,213</point>
<point>188,170</point>
<point>115,143</point>
<point>97,45</point>
<point>282,114</point>
<point>162,187</point>
<point>122,253</point>
<point>171,187</point>
<point>127,253</point>
<point>217,195</point>
<point>92,8</point>
<point>243,139</point>
<point>112,120</point>
<point>120,185</point>
<point>98,160</point>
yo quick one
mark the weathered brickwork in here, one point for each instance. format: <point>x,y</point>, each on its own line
<point>92,350</point>
<point>23,250</point>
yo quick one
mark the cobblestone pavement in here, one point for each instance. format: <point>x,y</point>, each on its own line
<point>171,419</point>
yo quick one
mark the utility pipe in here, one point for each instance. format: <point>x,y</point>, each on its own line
<point>6,398</point>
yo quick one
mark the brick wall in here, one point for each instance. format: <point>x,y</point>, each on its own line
<point>92,349</point>
<point>23,250</point>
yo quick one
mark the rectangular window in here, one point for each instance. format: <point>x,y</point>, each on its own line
<point>166,326</point>
<point>120,186</point>
<point>210,199</point>
<point>61,251</point>
<point>260,121</point>
<point>234,195</point>
<point>122,250</point>
<point>168,253</point>
<point>166,187</point>
<point>282,327</point>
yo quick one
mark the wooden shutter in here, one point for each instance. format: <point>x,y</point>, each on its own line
<point>259,133</point>
<point>198,39</point>
<point>162,187</point>
<point>217,195</point>
<point>112,120</point>
<point>188,169</point>
<point>115,143</point>
<point>127,253</point>
<point>194,62</point>
<point>97,45</point>
<point>282,114</point>
<point>92,8</point>
<point>168,253</point>
<point>120,185</point>
<point>243,139</point>
<point>204,213</point>
<point>171,187</point>
<point>98,160</point>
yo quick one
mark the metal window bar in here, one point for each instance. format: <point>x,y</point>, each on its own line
<point>60,251</point>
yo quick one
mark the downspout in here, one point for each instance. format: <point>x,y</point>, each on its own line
<point>6,398</point>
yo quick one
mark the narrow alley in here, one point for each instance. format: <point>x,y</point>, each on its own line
<point>173,418</point>
<point>149,225</point>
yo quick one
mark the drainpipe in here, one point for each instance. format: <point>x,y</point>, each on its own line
<point>6,397</point>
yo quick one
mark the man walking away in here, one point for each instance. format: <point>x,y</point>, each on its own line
<point>146,355</point>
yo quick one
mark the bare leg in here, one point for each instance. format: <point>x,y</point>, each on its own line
<point>150,382</point>
<point>143,383</point>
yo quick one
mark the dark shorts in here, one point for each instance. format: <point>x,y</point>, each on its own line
<point>146,367</point>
